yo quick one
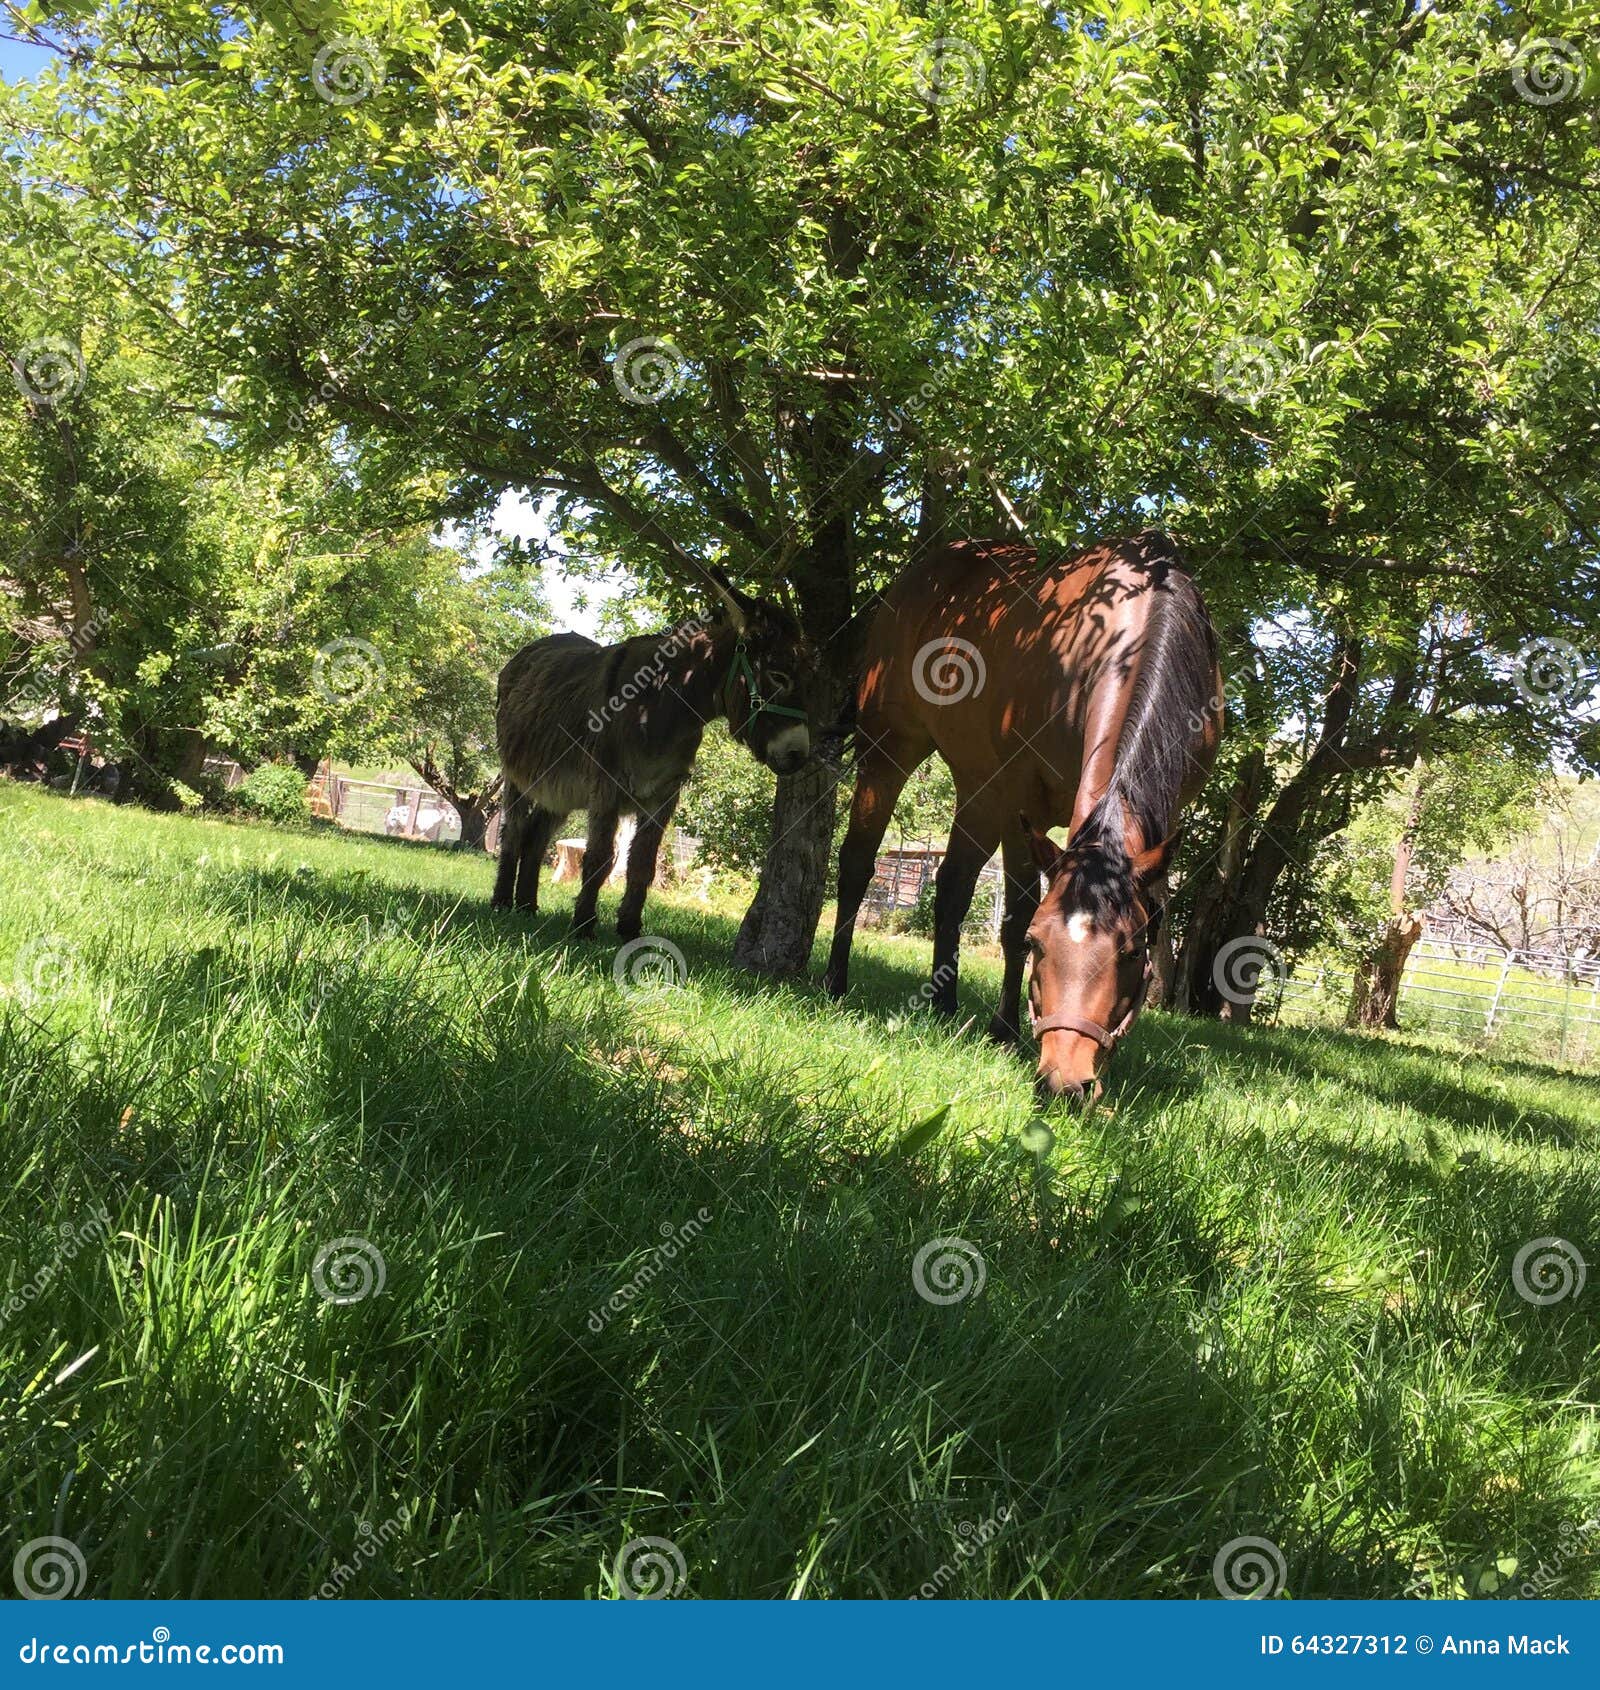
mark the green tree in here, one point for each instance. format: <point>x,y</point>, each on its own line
<point>800,291</point>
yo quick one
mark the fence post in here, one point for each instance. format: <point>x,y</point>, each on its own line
<point>1499,990</point>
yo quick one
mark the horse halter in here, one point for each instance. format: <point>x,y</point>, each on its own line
<point>741,668</point>
<point>1109,1038</point>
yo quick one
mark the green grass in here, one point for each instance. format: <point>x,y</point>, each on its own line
<point>648,1262</point>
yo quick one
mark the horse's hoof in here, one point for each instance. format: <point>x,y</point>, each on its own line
<point>584,929</point>
<point>834,985</point>
<point>627,930</point>
<point>1003,1033</point>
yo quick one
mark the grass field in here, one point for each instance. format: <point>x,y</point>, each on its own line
<point>647,1264</point>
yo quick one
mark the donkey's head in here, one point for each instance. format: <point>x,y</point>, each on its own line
<point>763,691</point>
<point>1093,947</point>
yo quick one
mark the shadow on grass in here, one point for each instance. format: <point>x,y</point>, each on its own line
<point>541,1379</point>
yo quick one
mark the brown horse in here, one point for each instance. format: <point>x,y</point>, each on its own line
<point>1084,693</point>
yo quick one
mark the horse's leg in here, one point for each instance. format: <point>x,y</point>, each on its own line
<point>642,867</point>
<point>536,830</point>
<point>879,780</point>
<point>1022,901</point>
<point>513,820</point>
<point>973,837</point>
<point>597,859</point>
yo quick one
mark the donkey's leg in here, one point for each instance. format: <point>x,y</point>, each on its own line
<point>597,860</point>
<point>880,775</point>
<point>536,830</point>
<point>1022,902</point>
<point>513,821</point>
<point>642,867</point>
<point>973,837</point>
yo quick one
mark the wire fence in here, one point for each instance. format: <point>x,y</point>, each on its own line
<point>1533,1002</point>
<point>903,878</point>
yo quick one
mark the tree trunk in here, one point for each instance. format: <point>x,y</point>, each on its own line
<point>778,929</point>
<point>776,934</point>
<point>1377,984</point>
<point>474,814</point>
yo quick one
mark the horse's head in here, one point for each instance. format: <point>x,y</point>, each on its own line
<point>763,691</point>
<point>1093,946</point>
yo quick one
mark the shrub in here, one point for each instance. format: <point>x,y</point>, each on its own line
<point>276,792</point>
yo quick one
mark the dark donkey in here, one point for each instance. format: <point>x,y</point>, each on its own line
<point>1084,693</point>
<point>614,730</point>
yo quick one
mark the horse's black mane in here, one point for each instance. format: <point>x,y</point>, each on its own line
<point>1171,697</point>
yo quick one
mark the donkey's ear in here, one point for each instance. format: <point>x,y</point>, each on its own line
<point>732,599</point>
<point>1150,865</point>
<point>1046,853</point>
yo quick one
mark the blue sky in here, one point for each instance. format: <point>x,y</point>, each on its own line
<point>18,60</point>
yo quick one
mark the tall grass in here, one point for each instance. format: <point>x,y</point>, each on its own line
<point>647,1263</point>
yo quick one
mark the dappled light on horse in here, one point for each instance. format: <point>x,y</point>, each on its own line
<point>1081,694</point>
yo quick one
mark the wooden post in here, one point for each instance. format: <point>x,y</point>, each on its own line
<point>1499,992</point>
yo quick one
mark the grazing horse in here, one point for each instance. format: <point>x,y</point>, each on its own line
<point>614,730</point>
<point>1082,693</point>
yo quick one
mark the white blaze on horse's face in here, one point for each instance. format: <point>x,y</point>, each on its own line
<point>1079,926</point>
